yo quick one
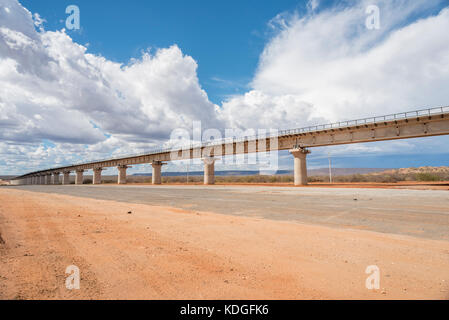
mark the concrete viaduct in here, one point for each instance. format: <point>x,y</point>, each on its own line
<point>421,123</point>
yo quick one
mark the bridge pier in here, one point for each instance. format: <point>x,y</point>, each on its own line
<point>122,174</point>
<point>66,177</point>
<point>209,171</point>
<point>157,172</point>
<point>97,176</point>
<point>48,179</point>
<point>300,166</point>
<point>79,177</point>
<point>56,178</point>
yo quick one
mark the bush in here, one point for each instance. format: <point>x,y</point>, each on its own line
<point>425,176</point>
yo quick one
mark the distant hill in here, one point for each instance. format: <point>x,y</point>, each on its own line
<point>406,171</point>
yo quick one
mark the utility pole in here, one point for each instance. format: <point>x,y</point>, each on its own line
<point>330,168</point>
<point>188,169</point>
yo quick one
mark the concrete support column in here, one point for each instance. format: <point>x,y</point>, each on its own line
<point>122,174</point>
<point>157,170</point>
<point>300,167</point>
<point>56,178</point>
<point>209,170</point>
<point>48,179</point>
<point>79,177</point>
<point>97,176</point>
<point>66,177</point>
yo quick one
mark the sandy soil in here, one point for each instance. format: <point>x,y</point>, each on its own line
<point>412,185</point>
<point>166,253</point>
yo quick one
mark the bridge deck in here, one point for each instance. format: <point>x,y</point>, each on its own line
<point>421,123</point>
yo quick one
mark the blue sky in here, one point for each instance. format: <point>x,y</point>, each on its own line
<point>224,37</point>
<point>263,64</point>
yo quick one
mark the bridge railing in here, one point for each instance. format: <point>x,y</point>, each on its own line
<point>281,133</point>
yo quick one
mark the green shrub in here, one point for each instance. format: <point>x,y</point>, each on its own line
<point>425,176</point>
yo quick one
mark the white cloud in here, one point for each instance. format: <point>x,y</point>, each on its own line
<point>313,4</point>
<point>257,109</point>
<point>344,70</point>
<point>52,89</point>
<point>327,66</point>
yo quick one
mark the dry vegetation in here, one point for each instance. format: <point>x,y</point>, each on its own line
<point>390,176</point>
<point>397,175</point>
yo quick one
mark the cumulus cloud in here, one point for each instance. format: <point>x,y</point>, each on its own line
<point>52,89</point>
<point>327,66</point>
<point>333,62</point>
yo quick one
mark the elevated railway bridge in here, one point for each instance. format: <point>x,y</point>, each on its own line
<point>406,125</point>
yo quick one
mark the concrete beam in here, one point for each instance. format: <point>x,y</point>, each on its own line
<point>97,176</point>
<point>122,174</point>
<point>300,166</point>
<point>66,177</point>
<point>79,177</point>
<point>209,171</point>
<point>157,172</point>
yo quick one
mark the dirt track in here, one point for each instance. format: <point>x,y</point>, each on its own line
<point>166,253</point>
